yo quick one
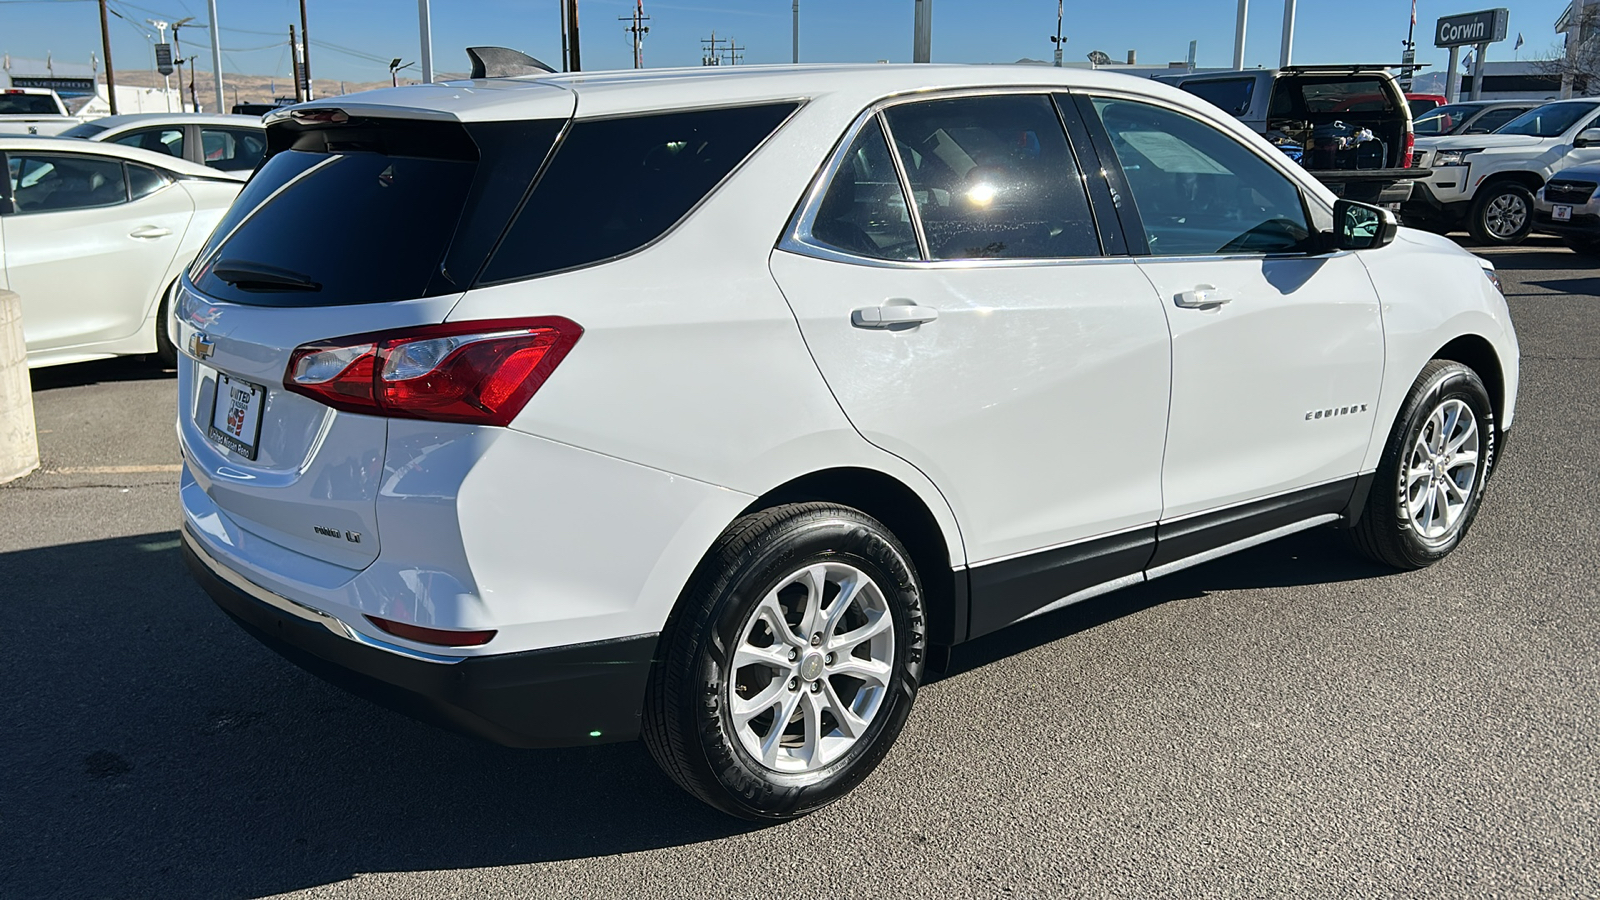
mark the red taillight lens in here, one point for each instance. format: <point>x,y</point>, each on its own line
<point>1411,143</point>
<point>480,373</point>
<point>437,636</point>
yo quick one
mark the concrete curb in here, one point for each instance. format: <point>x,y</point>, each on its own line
<point>19,440</point>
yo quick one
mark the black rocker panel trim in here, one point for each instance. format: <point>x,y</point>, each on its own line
<point>1005,591</point>
<point>1208,531</point>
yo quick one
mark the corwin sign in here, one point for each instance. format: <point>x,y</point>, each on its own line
<point>1471,28</point>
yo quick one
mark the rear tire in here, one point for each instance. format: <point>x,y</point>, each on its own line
<point>767,699</point>
<point>166,353</point>
<point>1502,214</point>
<point>1430,480</point>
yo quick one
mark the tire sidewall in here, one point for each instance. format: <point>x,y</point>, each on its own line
<point>756,791</point>
<point>1480,213</point>
<point>1455,382</point>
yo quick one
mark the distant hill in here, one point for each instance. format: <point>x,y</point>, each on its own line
<point>256,88</point>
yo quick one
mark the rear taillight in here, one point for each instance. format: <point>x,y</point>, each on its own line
<point>437,636</point>
<point>480,373</point>
<point>1411,143</point>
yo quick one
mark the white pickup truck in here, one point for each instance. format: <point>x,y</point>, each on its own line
<point>1485,183</point>
<point>33,111</point>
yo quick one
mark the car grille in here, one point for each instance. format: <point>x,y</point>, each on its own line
<point>1568,191</point>
<point>1420,158</point>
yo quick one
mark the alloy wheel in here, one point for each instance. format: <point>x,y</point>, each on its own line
<point>1506,215</point>
<point>1441,471</point>
<point>811,668</point>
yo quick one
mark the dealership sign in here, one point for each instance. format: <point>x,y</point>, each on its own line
<point>1472,28</point>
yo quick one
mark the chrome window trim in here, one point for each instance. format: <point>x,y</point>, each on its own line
<point>797,237</point>
<point>907,195</point>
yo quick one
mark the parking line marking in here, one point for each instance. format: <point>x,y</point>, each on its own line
<point>113,470</point>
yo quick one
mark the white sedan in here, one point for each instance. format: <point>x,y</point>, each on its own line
<point>94,236</point>
<point>230,145</point>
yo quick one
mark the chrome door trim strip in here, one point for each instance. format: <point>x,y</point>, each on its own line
<point>1115,584</point>
<point>1243,544</point>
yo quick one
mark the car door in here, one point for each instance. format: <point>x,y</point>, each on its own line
<point>1277,350</point>
<point>88,243</point>
<point>981,334</point>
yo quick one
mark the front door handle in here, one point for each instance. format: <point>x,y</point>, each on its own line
<point>892,315</point>
<point>148,232</point>
<point>1204,296</point>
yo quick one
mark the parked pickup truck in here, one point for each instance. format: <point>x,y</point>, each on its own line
<point>33,111</point>
<point>1349,125</point>
<point>1485,182</point>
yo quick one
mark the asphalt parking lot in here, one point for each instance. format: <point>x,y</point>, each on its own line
<point>1290,721</point>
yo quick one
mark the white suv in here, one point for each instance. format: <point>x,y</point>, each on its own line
<point>713,407</point>
<point>1485,182</point>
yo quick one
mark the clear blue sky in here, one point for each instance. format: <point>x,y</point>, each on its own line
<point>254,31</point>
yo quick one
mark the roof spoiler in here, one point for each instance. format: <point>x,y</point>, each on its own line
<point>500,62</point>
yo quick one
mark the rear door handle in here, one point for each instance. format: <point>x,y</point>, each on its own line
<point>1204,296</point>
<point>149,231</point>
<point>891,315</point>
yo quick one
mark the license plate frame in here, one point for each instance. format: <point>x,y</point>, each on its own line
<point>244,399</point>
<point>1561,212</point>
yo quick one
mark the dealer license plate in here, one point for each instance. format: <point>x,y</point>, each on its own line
<point>236,415</point>
<point>1561,213</point>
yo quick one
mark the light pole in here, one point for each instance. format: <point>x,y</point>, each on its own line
<point>425,26</point>
<point>1286,49</point>
<point>1058,40</point>
<point>166,80</point>
<point>216,55</point>
<point>1238,34</point>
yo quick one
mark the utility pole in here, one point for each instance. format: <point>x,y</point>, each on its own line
<point>177,50</point>
<point>294,63</point>
<point>1058,40</point>
<point>305,49</point>
<point>922,32</point>
<point>1286,51</point>
<point>1238,34</point>
<point>638,29</point>
<point>425,27</point>
<point>797,32</point>
<point>574,58</point>
<point>105,47</point>
<point>216,56</point>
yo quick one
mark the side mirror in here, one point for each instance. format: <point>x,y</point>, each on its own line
<point>1589,137</point>
<point>1362,226</point>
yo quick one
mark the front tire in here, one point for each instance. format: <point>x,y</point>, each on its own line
<point>1429,483</point>
<point>791,663</point>
<point>166,353</point>
<point>1502,214</point>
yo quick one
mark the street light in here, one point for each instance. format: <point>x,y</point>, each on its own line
<point>1058,40</point>
<point>394,70</point>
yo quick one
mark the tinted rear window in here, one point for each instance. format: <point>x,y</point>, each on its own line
<point>28,105</point>
<point>1231,95</point>
<point>366,216</point>
<point>615,185</point>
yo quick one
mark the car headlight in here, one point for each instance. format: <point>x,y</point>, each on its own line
<point>1453,157</point>
<point>1494,278</point>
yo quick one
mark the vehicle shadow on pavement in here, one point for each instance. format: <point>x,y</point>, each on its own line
<point>1318,556</point>
<point>101,371</point>
<point>152,749</point>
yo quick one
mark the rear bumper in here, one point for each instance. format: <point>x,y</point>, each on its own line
<point>1426,205</point>
<point>555,697</point>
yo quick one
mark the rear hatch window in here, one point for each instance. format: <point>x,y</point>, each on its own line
<point>1335,121</point>
<point>371,211</point>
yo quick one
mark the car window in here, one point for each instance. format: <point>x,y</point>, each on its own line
<point>615,185</point>
<point>1442,119</point>
<point>46,183</point>
<point>232,149</point>
<point>993,177</point>
<point>144,181</point>
<point>28,104</point>
<point>1197,190</point>
<point>1231,95</point>
<point>864,210</point>
<point>84,130</point>
<point>167,141</point>
<point>1494,119</point>
<point>1550,120</point>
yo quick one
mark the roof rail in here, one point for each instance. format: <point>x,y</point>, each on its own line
<point>1352,67</point>
<point>500,62</point>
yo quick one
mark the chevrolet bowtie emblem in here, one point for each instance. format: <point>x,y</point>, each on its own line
<point>201,346</point>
